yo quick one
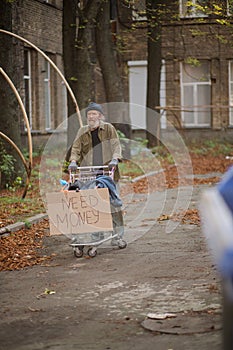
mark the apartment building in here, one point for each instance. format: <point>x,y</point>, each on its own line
<point>197,65</point>
<point>197,71</point>
<point>41,88</point>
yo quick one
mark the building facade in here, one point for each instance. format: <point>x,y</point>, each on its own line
<point>197,61</point>
<point>41,88</point>
<point>199,56</point>
<point>197,65</point>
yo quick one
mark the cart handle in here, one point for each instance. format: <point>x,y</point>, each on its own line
<point>95,167</point>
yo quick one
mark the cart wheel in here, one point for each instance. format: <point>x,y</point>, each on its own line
<point>122,244</point>
<point>92,252</point>
<point>78,252</point>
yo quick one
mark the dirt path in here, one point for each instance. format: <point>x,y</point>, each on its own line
<point>103,303</point>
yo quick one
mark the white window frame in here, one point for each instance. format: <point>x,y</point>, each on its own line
<point>194,109</point>
<point>190,14</point>
<point>137,108</point>
<point>230,82</point>
<point>28,80</point>
<point>47,95</point>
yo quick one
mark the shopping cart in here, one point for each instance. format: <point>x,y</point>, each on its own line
<point>86,177</point>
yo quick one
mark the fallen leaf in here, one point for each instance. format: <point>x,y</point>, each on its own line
<point>48,291</point>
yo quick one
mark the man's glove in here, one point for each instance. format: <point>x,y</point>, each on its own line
<point>113,164</point>
<point>73,166</point>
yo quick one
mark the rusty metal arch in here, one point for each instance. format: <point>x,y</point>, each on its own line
<point>29,166</point>
<point>54,66</point>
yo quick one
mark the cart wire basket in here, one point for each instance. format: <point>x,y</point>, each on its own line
<point>86,177</point>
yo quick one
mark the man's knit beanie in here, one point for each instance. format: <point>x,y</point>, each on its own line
<point>94,107</point>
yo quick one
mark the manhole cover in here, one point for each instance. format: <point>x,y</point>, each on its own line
<point>185,323</point>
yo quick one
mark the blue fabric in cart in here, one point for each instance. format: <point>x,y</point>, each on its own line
<point>104,181</point>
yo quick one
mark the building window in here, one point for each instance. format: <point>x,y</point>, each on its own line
<point>193,8</point>
<point>231,93</point>
<point>137,94</point>
<point>28,85</point>
<point>196,94</point>
<point>47,95</point>
<point>139,10</point>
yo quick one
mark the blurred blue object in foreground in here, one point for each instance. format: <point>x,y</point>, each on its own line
<point>225,188</point>
<point>216,209</point>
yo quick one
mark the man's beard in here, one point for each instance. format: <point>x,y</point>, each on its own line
<point>93,124</point>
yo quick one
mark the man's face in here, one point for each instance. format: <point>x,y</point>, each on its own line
<point>93,119</point>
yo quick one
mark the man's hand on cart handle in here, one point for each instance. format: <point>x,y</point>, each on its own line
<point>113,164</point>
<point>72,166</point>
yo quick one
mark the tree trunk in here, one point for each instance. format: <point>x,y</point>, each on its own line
<point>107,57</point>
<point>77,52</point>
<point>10,111</point>
<point>69,27</point>
<point>108,61</point>
<point>78,43</point>
<point>153,72</point>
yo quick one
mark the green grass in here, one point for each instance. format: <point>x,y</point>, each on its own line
<point>13,208</point>
<point>130,169</point>
<point>212,148</point>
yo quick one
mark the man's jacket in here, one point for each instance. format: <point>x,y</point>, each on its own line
<point>82,150</point>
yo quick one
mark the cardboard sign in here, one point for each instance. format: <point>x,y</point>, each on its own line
<point>74,212</point>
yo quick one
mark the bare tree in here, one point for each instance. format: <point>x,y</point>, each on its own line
<point>153,70</point>
<point>158,12</point>
<point>87,36</point>
<point>108,60</point>
<point>107,56</point>
<point>79,19</point>
<point>69,50</point>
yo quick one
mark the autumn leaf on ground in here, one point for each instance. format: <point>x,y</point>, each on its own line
<point>48,291</point>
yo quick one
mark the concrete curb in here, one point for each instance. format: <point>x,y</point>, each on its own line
<point>147,175</point>
<point>5,231</point>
